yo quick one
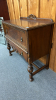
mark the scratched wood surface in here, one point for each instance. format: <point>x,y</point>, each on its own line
<point>40,8</point>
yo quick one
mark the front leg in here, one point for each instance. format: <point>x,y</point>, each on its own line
<point>30,70</point>
<point>9,47</point>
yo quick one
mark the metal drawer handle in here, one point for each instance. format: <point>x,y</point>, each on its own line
<point>21,39</point>
<point>21,53</point>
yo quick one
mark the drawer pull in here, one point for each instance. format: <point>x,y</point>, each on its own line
<point>21,53</point>
<point>21,39</point>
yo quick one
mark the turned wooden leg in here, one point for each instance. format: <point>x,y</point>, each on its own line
<point>9,47</point>
<point>30,70</point>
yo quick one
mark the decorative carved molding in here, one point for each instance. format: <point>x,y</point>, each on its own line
<point>32,16</point>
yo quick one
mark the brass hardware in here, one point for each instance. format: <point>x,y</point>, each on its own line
<point>21,53</point>
<point>6,31</point>
<point>21,39</point>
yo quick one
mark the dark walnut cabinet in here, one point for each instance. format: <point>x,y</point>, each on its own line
<point>31,37</point>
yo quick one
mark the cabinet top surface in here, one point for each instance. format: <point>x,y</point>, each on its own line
<point>28,24</point>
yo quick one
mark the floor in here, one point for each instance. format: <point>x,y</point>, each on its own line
<point>14,79</point>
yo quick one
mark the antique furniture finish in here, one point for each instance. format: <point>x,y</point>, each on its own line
<point>31,37</point>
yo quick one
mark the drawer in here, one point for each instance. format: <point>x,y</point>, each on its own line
<point>18,49</point>
<point>18,34</point>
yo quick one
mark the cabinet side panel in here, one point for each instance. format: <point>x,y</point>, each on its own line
<point>39,42</point>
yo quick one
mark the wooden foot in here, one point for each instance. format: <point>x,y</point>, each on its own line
<point>30,70</point>
<point>10,53</point>
<point>9,47</point>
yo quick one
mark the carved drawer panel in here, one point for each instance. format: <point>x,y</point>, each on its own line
<point>18,49</point>
<point>18,34</point>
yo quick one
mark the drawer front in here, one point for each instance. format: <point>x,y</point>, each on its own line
<point>19,35</point>
<point>22,52</point>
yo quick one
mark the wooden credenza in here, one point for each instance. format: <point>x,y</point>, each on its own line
<point>31,37</point>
